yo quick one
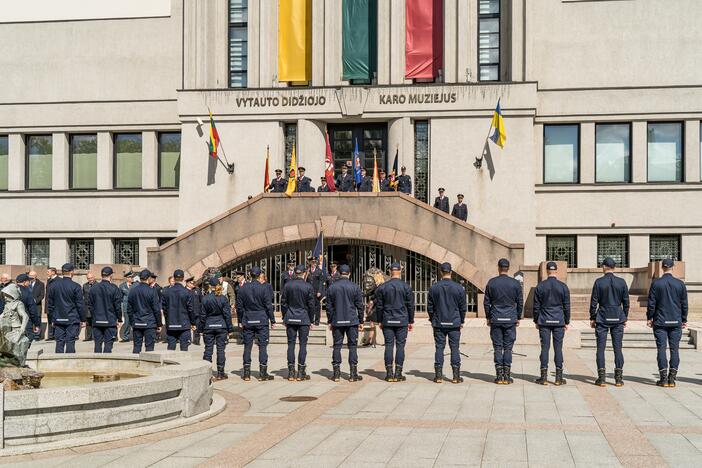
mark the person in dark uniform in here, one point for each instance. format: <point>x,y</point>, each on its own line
<point>460,209</point>
<point>197,305</point>
<point>609,311</point>
<point>442,202</point>
<point>394,303</point>
<point>144,309</point>
<point>384,182</point>
<point>90,282</point>
<point>333,274</point>
<point>304,183</point>
<point>667,315</point>
<point>105,301</point>
<point>297,304</point>
<point>345,309</point>
<point>552,319</point>
<point>254,307</point>
<point>66,306</point>
<point>215,324</point>
<point>404,182</point>
<point>279,184</point>
<point>324,187</point>
<point>316,277</point>
<point>288,274</point>
<point>179,313</point>
<point>38,291</point>
<point>345,182</point>
<point>52,275</point>
<point>366,182</point>
<point>503,311</point>
<point>446,306</point>
<point>30,305</point>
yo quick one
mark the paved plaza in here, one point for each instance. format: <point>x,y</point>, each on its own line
<point>419,423</point>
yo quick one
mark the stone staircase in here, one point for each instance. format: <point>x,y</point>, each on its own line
<point>580,307</point>
<point>637,338</point>
<point>318,335</point>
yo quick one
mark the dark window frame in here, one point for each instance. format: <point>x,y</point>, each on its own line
<point>70,162</point>
<point>627,246</point>
<point>72,255</point>
<point>497,16</point>
<point>678,238</point>
<point>27,137</point>
<point>114,161</point>
<point>421,196</point>
<point>630,175</point>
<point>115,248</point>
<point>158,160</point>
<point>682,151</point>
<point>543,153</point>
<point>231,25</point>
<point>575,247</point>
<point>8,161</point>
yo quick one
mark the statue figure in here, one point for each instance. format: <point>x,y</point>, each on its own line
<point>14,344</point>
<point>372,279</point>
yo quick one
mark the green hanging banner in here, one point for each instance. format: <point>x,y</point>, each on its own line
<point>360,51</point>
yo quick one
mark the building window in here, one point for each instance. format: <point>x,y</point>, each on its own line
<point>81,253</point>
<point>489,40</point>
<point>561,154</point>
<point>4,152</point>
<point>290,131</point>
<point>128,160</point>
<point>665,152</point>
<point>127,251</point>
<point>421,160</point>
<point>238,43</point>
<point>616,247</point>
<point>2,252</point>
<point>169,160</point>
<point>613,152</point>
<point>661,247</point>
<point>83,161</point>
<point>37,252</point>
<point>39,150</point>
<point>562,249</point>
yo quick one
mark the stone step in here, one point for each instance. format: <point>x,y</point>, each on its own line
<point>634,345</point>
<point>318,335</point>
<point>632,334</point>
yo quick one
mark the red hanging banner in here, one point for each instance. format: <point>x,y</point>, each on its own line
<point>424,38</point>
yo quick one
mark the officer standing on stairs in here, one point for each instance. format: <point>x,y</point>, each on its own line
<point>503,311</point>
<point>215,324</point>
<point>179,313</point>
<point>667,315</point>
<point>297,305</point>
<point>106,304</point>
<point>446,306</point>
<point>609,310</point>
<point>552,319</point>
<point>345,309</point>
<point>394,302</point>
<point>254,307</point>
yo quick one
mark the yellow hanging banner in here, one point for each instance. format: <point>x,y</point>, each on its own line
<point>295,40</point>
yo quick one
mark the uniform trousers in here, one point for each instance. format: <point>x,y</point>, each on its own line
<point>212,338</point>
<point>104,338</point>
<point>125,331</point>
<point>293,332</point>
<point>178,336</point>
<point>617,333</point>
<point>668,337</point>
<point>143,335</point>
<point>503,338</point>
<point>317,312</point>
<point>351,334</point>
<point>262,334</point>
<point>65,336</point>
<point>395,340</point>
<point>545,335</point>
<point>454,338</point>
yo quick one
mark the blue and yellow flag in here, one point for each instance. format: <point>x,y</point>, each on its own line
<point>498,123</point>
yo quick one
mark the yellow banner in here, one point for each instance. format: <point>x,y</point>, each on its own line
<point>295,40</point>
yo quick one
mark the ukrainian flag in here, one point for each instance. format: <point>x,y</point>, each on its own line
<point>498,123</point>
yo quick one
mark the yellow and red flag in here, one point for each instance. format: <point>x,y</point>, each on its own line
<point>376,179</point>
<point>214,137</point>
<point>292,173</point>
<point>266,177</point>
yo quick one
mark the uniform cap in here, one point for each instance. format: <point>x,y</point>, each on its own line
<point>552,266</point>
<point>301,169</point>
<point>344,269</point>
<point>323,178</point>
<point>145,274</point>
<point>106,271</point>
<point>278,171</point>
<point>445,267</point>
<point>154,275</point>
<point>255,271</point>
<point>22,277</point>
<point>217,275</point>
<point>396,266</point>
<point>291,262</point>
<point>460,195</point>
<point>441,189</point>
<point>129,274</point>
<point>300,269</point>
<point>668,263</point>
<point>68,267</point>
<point>609,262</point>
<point>188,280</point>
<point>503,263</point>
<point>178,274</point>
<point>214,281</point>
<point>403,168</point>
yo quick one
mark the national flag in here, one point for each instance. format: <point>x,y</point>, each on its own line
<point>292,179</point>
<point>329,167</point>
<point>393,174</point>
<point>376,179</point>
<point>357,165</point>
<point>214,137</point>
<point>498,123</point>
<point>266,177</point>
<point>318,252</point>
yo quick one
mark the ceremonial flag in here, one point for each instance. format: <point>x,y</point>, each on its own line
<point>214,137</point>
<point>498,123</point>
<point>376,179</point>
<point>292,179</point>
<point>318,252</point>
<point>329,167</point>
<point>357,165</point>
<point>393,174</point>
<point>294,40</point>
<point>266,177</point>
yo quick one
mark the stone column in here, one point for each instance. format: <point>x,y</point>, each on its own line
<point>401,135</point>
<point>450,40</point>
<point>14,252</point>
<point>318,45</point>
<point>587,153</point>
<point>103,252</point>
<point>384,31</point>
<point>59,252</point>
<point>105,161</point>
<point>539,153</point>
<point>397,42</point>
<point>692,151</point>
<point>465,40</point>
<point>311,145</point>
<point>587,251</point>
<point>149,160</point>
<point>143,255</point>
<point>59,162</point>
<point>254,43</point>
<point>16,162</point>
<point>638,251</point>
<point>639,152</point>
<point>517,38</point>
<point>268,48</point>
<point>332,43</point>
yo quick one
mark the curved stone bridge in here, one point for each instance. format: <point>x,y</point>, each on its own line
<point>269,220</point>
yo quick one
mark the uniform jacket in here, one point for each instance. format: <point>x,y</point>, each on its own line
<point>460,211</point>
<point>215,314</point>
<point>609,303</point>
<point>178,310</point>
<point>345,183</point>
<point>105,301</point>
<point>144,306</point>
<point>278,185</point>
<point>345,304</point>
<point>124,289</point>
<point>503,300</point>
<point>197,301</point>
<point>366,184</point>
<point>316,278</point>
<point>446,304</point>
<point>385,185</point>
<point>667,302</point>
<point>297,302</point>
<point>30,305</point>
<point>331,278</point>
<point>323,188</point>
<point>552,303</point>
<point>254,304</point>
<point>86,290</point>
<point>229,291</point>
<point>38,292</point>
<point>394,303</point>
<point>404,184</point>
<point>442,204</point>
<point>286,276</point>
<point>304,184</point>
<point>65,302</point>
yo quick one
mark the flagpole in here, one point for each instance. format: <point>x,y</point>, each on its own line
<point>229,167</point>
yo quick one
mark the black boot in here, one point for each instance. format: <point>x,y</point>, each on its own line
<point>508,375</point>
<point>337,373</point>
<point>263,373</point>
<point>221,375</point>
<point>456,374</point>
<point>196,339</point>
<point>618,377</point>
<point>499,375</point>
<point>559,377</point>
<point>543,380</point>
<point>438,374</point>
<point>601,378</point>
<point>247,373</point>
<point>389,377</point>
<point>663,382</point>
<point>291,372</point>
<point>398,374</point>
<point>302,373</point>
<point>354,377</point>
<point>671,377</point>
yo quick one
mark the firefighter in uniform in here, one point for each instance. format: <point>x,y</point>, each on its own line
<point>254,307</point>
<point>106,302</point>
<point>297,304</point>
<point>215,324</point>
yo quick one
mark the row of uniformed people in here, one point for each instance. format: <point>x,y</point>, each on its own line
<point>345,182</point>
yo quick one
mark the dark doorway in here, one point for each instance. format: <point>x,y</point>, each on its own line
<point>370,136</point>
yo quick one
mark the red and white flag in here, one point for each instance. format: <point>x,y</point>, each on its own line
<point>329,167</point>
